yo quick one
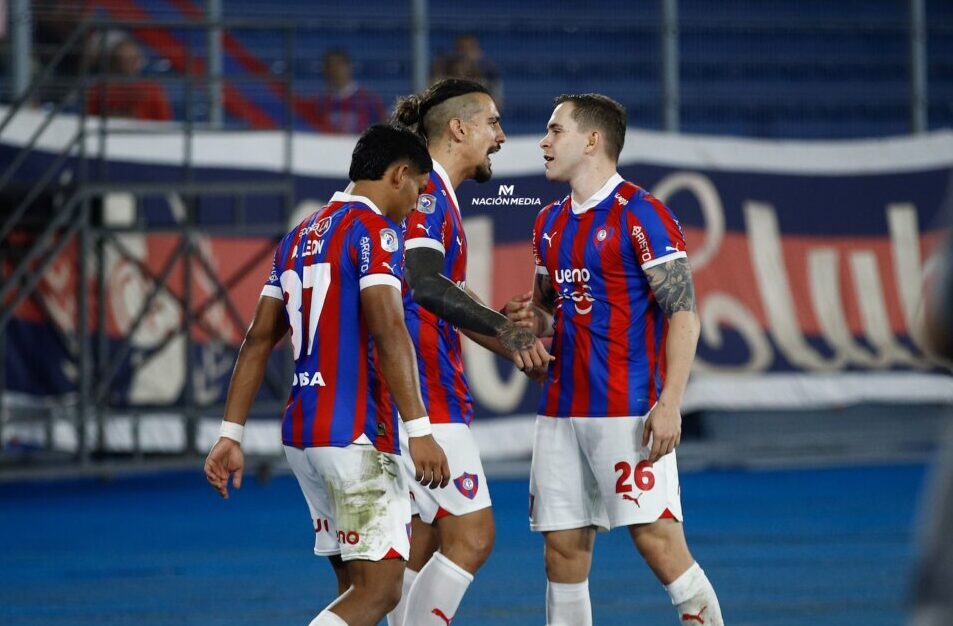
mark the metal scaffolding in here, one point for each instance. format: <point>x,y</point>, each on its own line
<point>34,237</point>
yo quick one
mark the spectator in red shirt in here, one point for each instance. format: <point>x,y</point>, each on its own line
<point>345,107</point>
<point>467,60</point>
<point>139,99</point>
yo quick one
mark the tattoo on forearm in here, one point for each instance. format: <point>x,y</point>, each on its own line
<point>454,305</point>
<point>673,286</point>
<point>442,297</point>
<point>516,338</point>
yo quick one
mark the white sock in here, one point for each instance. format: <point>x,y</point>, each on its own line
<point>568,604</point>
<point>396,617</point>
<point>327,618</point>
<point>437,592</point>
<point>694,598</point>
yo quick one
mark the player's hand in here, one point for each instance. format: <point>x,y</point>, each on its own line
<point>519,310</point>
<point>430,463</point>
<point>663,428</point>
<point>225,457</point>
<point>537,374</point>
<point>525,349</point>
<point>534,359</point>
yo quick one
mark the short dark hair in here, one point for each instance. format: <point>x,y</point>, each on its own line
<point>596,111</point>
<point>382,145</point>
<point>427,115</point>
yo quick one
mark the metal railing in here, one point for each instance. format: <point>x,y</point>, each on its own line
<point>78,222</point>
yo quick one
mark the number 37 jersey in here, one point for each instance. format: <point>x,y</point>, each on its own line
<point>338,395</point>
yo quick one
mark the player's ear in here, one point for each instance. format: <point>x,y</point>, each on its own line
<point>593,143</point>
<point>457,130</point>
<point>398,174</point>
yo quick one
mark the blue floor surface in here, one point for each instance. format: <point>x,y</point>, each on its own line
<point>783,548</point>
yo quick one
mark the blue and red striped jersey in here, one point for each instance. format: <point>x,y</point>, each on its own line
<point>338,395</point>
<point>609,335</point>
<point>437,224</point>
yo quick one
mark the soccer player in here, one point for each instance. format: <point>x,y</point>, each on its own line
<point>461,125</point>
<point>335,285</point>
<point>614,287</point>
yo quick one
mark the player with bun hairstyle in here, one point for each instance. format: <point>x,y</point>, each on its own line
<point>461,125</point>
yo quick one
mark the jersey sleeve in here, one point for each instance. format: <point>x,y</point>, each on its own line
<point>426,227</point>
<point>379,250</point>
<point>272,288</point>
<point>654,231</point>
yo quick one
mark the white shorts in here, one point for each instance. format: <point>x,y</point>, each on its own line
<point>358,501</point>
<point>593,471</point>
<point>467,491</point>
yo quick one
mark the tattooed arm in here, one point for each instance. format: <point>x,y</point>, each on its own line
<point>534,309</point>
<point>674,290</point>
<point>533,357</point>
<point>442,297</point>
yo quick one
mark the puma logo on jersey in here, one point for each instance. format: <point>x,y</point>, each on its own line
<point>688,617</point>
<point>426,229</point>
<point>442,615</point>
<point>626,496</point>
<point>388,266</point>
<point>549,237</point>
<point>459,242</point>
<point>671,249</point>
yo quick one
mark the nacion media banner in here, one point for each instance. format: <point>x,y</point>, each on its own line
<point>809,259</point>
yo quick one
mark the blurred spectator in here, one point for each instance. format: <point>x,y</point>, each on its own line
<point>128,97</point>
<point>54,21</point>
<point>345,107</point>
<point>469,61</point>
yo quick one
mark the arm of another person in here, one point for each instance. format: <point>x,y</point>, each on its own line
<point>384,311</point>
<point>267,328</point>
<point>442,297</point>
<point>535,308</point>
<point>674,290</point>
<point>533,358</point>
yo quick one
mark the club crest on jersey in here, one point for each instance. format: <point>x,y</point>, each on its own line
<point>467,484</point>
<point>322,227</point>
<point>426,203</point>
<point>389,240</point>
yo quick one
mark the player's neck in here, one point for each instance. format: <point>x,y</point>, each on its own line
<point>375,194</point>
<point>590,181</point>
<point>453,165</point>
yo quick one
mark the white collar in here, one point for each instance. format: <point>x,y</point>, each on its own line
<point>342,196</point>
<point>442,173</point>
<point>597,197</point>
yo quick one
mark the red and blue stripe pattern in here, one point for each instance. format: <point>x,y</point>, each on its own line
<point>320,267</point>
<point>609,339</point>
<point>437,224</point>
